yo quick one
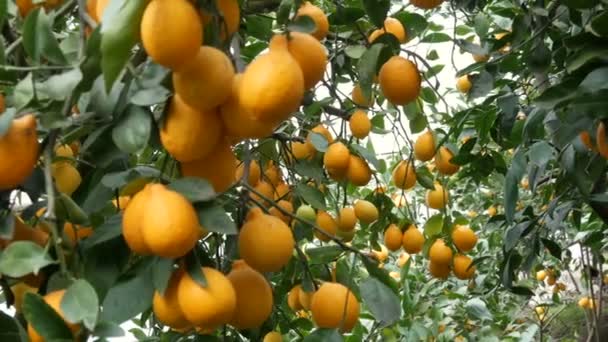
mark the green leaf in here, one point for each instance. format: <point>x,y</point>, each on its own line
<point>120,33</point>
<point>324,254</point>
<point>434,225</point>
<point>259,27</point>
<point>471,47</point>
<point>376,10</point>
<point>194,189</point>
<point>3,13</point>
<point>482,24</point>
<point>110,229</point>
<point>324,335</point>
<point>367,68</point>
<point>38,39</point>
<point>595,80</point>
<point>150,96</point>
<point>482,85</point>
<point>59,86</point>
<point>368,155</point>
<point>310,195</point>
<point>132,132</point>
<point>283,11</point>
<point>514,174</point>
<point>436,38</point>
<point>102,102</point>
<point>161,273</point>
<point>115,180</point>
<point>514,233</point>
<point>302,23</point>
<point>80,304</point>
<point>23,257</point>
<point>599,24</point>
<point>215,219</point>
<point>381,301</point>
<point>10,330</point>
<point>355,51</point>
<point>380,274</point>
<point>417,123</point>
<point>540,153</point>
<point>425,177</point>
<point>129,297</point>
<point>586,55</point>
<point>414,23</point>
<point>66,209</point>
<point>44,319</point>
<point>553,247</point>
<point>108,329</point>
<point>478,309</point>
<point>6,120</point>
<point>345,15</point>
<point>319,141</point>
<point>7,225</point>
<point>194,268</point>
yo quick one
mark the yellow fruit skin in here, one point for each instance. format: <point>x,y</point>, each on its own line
<point>282,191</point>
<point>464,238</point>
<point>265,242</point>
<point>53,299</point>
<point>360,125</point>
<point>23,232</point>
<point>317,15</point>
<point>170,225</point>
<point>166,306</point>
<point>205,81</point>
<point>171,32</point>
<point>231,14</point>
<point>66,176</point>
<point>305,298</point>
<point>64,151</point>
<point>394,27</point>
<point>253,296</point>
<point>75,233</point>
<point>131,223</point>
<point>273,174</point>
<point>100,8</point>
<point>218,167</point>
<point>347,219</point>
<point>359,99</point>
<point>440,271</point>
<point>463,84</point>
<point>334,306</point>
<point>189,134</point>
<point>366,211</point>
<point>307,51</point>
<point>403,259</point>
<point>461,267</point>
<point>393,237</point>
<point>602,144</point>
<point>413,240</point>
<point>404,175</point>
<point>254,173</point>
<point>399,80</point>
<point>293,298</point>
<point>426,4</point>
<point>424,147</point>
<point>273,336</point>
<point>440,254</point>
<point>358,171</point>
<point>302,150</point>
<point>442,162</point>
<point>238,123</point>
<point>209,306</point>
<point>285,205</point>
<point>326,222</point>
<point>481,58</point>
<point>337,157</point>
<point>541,275</point>
<point>265,190</point>
<point>272,86</point>
<point>18,152</point>
<point>438,198</point>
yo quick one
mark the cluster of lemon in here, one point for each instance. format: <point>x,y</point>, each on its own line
<point>550,276</point>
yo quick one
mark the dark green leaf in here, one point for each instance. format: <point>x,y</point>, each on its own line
<point>215,219</point>
<point>482,24</point>
<point>324,254</point>
<point>283,11</point>
<point>10,330</point>
<point>367,67</point>
<point>311,195</point>
<point>540,153</point>
<point>194,268</point>
<point>120,32</point>
<point>132,132</point>
<point>482,85</point>
<point>80,304</point>
<point>150,96</point>
<point>414,23</point>
<point>368,155</point>
<point>319,141</point>
<point>478,309</point>
<point>380,274</point>
<point>68,210</point>
<point>23,257</point>
<point>355,51</point>
<point>553,248</point>
<point>418,123</point>
<point>38,39</point>
<point>381,301</point>
<point>193,188</point>
<point>599,24</point>
<point>596,80</point>
<point>324,335</point>
<point>345,15</point>
<point>110,229</point>
<point>108,329</point>
<point>3,14</point>
<point>514,234</point>
<point>424,177</point>
<point>115,180</point>
<point>516,171</point>
<point>44,319</point>
<point>436,38</point>
<point>259,27</point>
<point>434,225</point>
<point>59,86</point>
<point>471,47</point>
<point>161,273</point>
<point>376,10</point>
<point>302,23</point>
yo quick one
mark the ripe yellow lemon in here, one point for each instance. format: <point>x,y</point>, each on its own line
<point>462,267</point>
<point>404,175</point>
<point>302,150</point>
<point>66,176</point>
<point>273,174</point>
<point>360,125</point>
<point>166,306</point>
<point>273,336</point>
<point>305,298</point>
<point>238,123</point>
<point>218,167</point>
<point>326,222</point>
<point>265,242</point>
<point>282,191</point>
<point>403,259</point>
<point>412,240</point>
<point>392,26</point>
<point>253,296</point>
<point>440,253</point>
<point>170,226</point>
<point>440,271</point>
<point>171,32</point>
<point>334,306</point>
<point>541,275</point>
<point>188,133</point>
<point>131,222</point>
<point>438,198</point>
<point>443,162</point>
<point>266,193</point>
<point>320,129</point>
<point>358,171</point>
<point>492,211</point>
<point>464,238</point>
<point>424,147</point>
<point>219,298</point>
<point>293,298</point>
<point>75,233</point>
<point>393,237</point>
<point>307,51</point>
<point>463,84</point>
<point>53,299</point>
<point>230,17</point>
<point>366,211</point>
<point>254,173</point>
<point>64,151</point>
<point>205,81</point>
<point>337,157</point>
<point>359,99</point>
<point>347,219</point>
<point>399,80</point>
<point>286,206</point>
<point>18,152</point>
<point>317,15</point>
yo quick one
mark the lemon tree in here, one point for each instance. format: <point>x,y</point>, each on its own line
<point>287,170</point>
